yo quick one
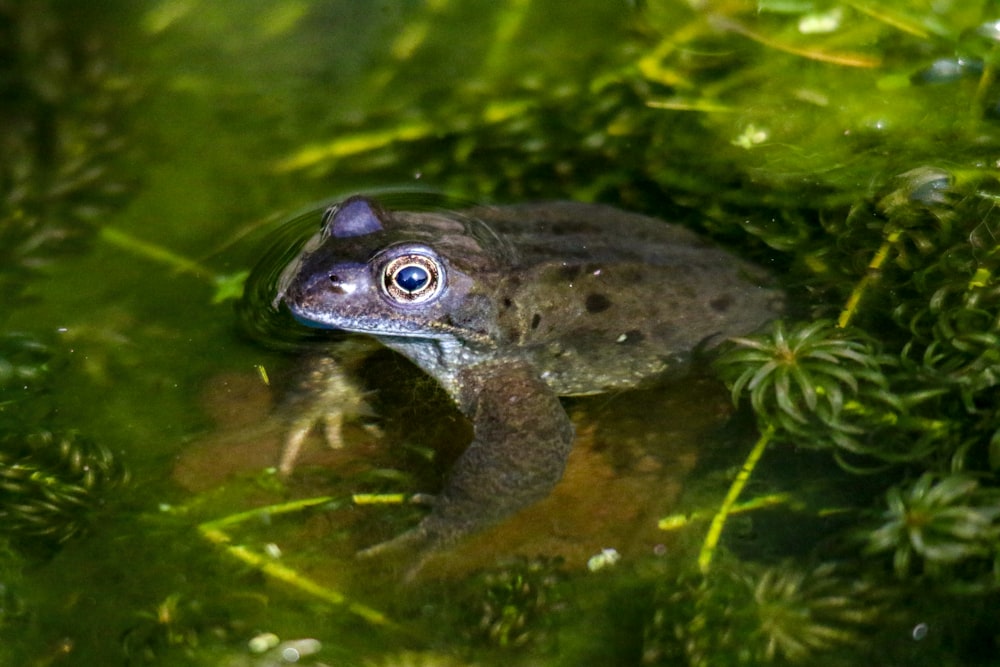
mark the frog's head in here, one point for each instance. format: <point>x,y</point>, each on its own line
<point>386,274</point>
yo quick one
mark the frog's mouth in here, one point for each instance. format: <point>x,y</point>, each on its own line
<point>378,328</point>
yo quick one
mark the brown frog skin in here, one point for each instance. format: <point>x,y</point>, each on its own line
<point>509,308</point>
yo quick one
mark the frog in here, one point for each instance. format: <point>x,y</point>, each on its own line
<point>508,308</point>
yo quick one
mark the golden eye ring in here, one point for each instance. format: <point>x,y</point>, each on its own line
<point>412,278</point>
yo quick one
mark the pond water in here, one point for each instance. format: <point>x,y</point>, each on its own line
<point>163,149</point>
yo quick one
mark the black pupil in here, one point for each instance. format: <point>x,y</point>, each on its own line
<point>412,278</point>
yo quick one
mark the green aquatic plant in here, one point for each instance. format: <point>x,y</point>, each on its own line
<point>938,521</point>
<point>805,613</point>
<point>801,374</point>
<point>174,623</point>
<point>517,605</point>
<point>921,391</point>
<point>939,232</point>
<point>744,614</point>
<point>184,628</point>
<point>956,337</point>
<point>52,484</point>
<point>823,387</point>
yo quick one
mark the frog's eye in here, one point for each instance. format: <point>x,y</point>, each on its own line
<point>412,278</point>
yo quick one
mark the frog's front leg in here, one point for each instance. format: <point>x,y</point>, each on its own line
<point>522,439</point>
<point>324,394</point>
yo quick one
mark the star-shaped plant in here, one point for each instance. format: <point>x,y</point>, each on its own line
<point>941,520</point>
<point>817,385</point>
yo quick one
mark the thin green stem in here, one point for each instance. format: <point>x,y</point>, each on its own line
<point>851,307</point>
<point>212,531</point>
<point>715,529</point>
<point>156,253</point>
<point>285,574</point>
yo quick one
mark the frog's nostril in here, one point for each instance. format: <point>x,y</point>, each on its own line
<point>340,285</point>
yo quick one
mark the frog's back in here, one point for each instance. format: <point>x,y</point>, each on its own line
<point>599,298</point>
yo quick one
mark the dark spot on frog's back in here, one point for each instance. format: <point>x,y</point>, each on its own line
<point>597,303</point>
<point>721,304</point>
<point>536,319</point>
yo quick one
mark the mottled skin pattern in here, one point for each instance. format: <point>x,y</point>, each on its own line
<point>513,307</point>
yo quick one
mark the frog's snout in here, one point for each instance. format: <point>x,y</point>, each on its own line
<point>306,296</point>
<point>306,289</point>
<point>323,289</point>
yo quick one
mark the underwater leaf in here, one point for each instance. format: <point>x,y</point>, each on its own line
<point>806,386</point>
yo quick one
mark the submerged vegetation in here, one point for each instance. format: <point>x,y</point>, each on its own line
<point>51,484</point>
<point>756,615</point>
<point>934,523</point>
<point>61,116</point>
<point>852,145</point>
<point>913,384</point>
<point>518,605</point>
<point>63,171</point>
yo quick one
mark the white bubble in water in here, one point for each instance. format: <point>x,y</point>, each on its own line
<point>295,649</point>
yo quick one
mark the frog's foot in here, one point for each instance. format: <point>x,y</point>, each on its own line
<point>414,548</point>
<point>331,422</point>
<point>326,398</point>
<point>415,541</point>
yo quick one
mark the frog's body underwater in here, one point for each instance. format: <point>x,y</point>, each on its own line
<point>509,308</point>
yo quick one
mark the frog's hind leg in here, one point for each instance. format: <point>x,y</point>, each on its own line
<point>522,439</point>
